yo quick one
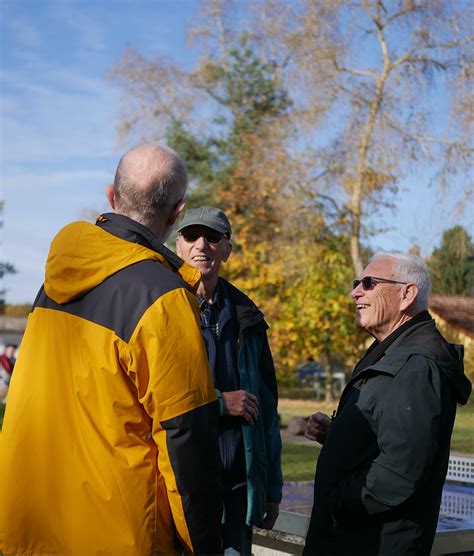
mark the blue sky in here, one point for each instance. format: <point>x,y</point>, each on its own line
<point>58,118</point>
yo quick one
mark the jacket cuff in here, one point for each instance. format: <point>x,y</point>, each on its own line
<point>274,493</point>
<point>221,402</point>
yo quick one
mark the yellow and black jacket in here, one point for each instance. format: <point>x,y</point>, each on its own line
<point>109,438</point>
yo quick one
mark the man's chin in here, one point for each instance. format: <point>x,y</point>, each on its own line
<point>204,272</point>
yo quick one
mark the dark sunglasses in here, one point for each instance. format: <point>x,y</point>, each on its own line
<point>369,282</point>
<point>211,236</point>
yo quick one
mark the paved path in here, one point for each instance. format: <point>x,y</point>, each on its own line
<point>294,438</point>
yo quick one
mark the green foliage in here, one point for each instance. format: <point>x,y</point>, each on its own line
<point>452,264</point>
<point>201,162</point>
<point>463,432</point>
<point>5,268</point>
<point>249,98</point>
<point>248,88</point>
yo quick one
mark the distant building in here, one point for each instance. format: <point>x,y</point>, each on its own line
<point>454,315</point>
<point>11,329</point>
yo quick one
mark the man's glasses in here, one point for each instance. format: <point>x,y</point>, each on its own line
<point>369,282</point>
<point>211,236</point>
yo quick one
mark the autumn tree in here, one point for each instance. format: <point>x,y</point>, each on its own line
<point>380,90</point>
<point>452,264</point>
<point>367,74</point>
<point>249,103</point>
<point>301,119</point>
<point>284,249</point>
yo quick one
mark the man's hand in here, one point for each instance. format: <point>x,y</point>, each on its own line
<point>272,509</point>
<point>318,427</point>
<point>241,403</point>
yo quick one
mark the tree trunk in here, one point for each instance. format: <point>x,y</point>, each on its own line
<point>366,137</point>
<point>329,390</point>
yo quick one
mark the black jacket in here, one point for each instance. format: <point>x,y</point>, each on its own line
<point>381,470</point>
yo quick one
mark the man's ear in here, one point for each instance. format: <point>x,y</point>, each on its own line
<point>227,252</point>
<point>176,211</point>
<point>409,295</point>
<point>110,194</point>
<point>178,246</point>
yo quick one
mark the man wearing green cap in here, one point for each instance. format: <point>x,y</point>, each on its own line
<point>234,331</point>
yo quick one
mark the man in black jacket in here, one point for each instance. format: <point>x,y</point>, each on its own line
<point>385,455</point>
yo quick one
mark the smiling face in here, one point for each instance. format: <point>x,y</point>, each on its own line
<point>381,310</point>
<point>205,256</point>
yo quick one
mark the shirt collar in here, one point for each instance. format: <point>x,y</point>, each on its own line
<point>216,298</point>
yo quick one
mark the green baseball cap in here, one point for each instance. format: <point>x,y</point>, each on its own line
<point>210,217</point>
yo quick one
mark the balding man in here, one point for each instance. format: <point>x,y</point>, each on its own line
<point>385,454</point>
<point>109,444</point>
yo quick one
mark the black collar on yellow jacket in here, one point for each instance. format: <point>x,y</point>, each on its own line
<point>125,228</point>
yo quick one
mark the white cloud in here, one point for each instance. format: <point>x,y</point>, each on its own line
<point>71,116</point>
<point>26,181</point>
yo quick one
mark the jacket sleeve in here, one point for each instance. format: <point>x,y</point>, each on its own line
<point>407,438</point>
<point>269,408</point>
<point>168,363</point>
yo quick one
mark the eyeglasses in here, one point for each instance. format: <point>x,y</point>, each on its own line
<point>369,282</point>
<point>211,236</point>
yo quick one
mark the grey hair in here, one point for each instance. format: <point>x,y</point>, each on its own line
<point>145,204</point>
<point>410,268</point>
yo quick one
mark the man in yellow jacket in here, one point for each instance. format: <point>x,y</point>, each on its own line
<point>109,438</point>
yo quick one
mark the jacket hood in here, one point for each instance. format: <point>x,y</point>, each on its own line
<point>83,255</point>
<point>451,366</point>
<point>449,357</point>
<point>425,339</point>
<point>454,370</point>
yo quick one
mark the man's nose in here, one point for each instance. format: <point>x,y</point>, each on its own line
<point>201,242</point>
<point>355,293</point>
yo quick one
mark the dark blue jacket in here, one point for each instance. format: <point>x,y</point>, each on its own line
<point>251,359</point>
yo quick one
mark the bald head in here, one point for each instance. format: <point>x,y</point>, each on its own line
<point>149,183</point>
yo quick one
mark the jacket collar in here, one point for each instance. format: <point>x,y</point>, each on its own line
<point>246,312</point>
<point>415,341</point>
<point>377,349</point>
<point>125,228</point>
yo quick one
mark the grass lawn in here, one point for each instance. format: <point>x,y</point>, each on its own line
<point>463,433</point>
<point>298,462</point>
